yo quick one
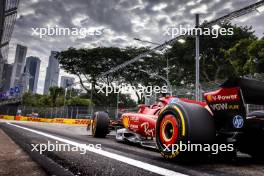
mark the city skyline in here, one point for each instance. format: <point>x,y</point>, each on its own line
<point>24,71</point>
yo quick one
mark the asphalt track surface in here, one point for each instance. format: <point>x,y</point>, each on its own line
<point>115,158</point>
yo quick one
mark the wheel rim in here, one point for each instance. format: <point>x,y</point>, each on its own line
<point>169,130</point>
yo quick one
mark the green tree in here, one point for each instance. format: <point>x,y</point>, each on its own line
<point>55,93</point>
<point>214,65</point>
<point>79,101</point>
<point>256,52</point>
<point>29,99</point>
<point>44,101</point>
<point>89,64</point>
<point>240,59</point>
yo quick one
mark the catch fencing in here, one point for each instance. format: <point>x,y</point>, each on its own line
<point>73,112</point>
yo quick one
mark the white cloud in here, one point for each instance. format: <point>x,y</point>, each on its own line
<point>199,10</point>
<point>159,7</point>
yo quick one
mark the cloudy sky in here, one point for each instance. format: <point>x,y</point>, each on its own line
<point>122,20</point>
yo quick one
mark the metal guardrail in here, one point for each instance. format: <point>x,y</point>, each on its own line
<point>251,107</point>
<point>11,101</point>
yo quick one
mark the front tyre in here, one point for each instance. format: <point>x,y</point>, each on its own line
<point>100,124</point>
<point>183,123</point>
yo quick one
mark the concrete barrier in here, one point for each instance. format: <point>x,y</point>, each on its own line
<point>7,117</point>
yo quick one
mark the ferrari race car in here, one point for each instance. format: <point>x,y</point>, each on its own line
<point>221,119</point>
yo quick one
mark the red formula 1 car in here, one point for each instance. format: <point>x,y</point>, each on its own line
<point>221,119</point>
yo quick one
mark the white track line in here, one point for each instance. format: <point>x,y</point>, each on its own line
<point>133,162</point>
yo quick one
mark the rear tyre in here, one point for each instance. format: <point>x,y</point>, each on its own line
<point>100,124</point>
<point>183,123</point>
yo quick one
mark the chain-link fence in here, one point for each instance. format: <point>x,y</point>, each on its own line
<point>8,110</point>
<point>75,112</point>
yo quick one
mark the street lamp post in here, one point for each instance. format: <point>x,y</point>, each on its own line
<point>167,64</point>
<point>197,61</point>
<point>117,101</point>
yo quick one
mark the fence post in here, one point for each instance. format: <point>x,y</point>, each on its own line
<point>7,111</point>
<point>71,112</point>
<point>24,109</point>
<point>77,113</point>
<point>61,112</point>
<point>67,111</point>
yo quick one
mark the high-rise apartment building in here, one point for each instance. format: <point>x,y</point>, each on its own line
<point>52,73</point>
<point>18,66</point>
<point>8,16</point>
<point>6,77</point>
<point>32,69</point>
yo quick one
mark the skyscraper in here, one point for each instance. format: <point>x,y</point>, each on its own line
<point>6,79</point>
<point>52,73</point>
<point>8,16</point>
<point>32,68</point>
<point>66,81</point>
<point>18,66</point>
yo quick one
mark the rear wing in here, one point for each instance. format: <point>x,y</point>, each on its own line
<point>252,90</point>
<point>227,105</point>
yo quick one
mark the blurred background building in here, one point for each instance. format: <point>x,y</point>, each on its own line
<point>6,76</point>
<point>8,14</point>
<point>32,70</point>
<point>18,67</point>
<point>52,73</point>
<point>66,82</point>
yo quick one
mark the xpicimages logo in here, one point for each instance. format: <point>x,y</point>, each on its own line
<point>60,147</point>
<point>147,90</point>
<point>62,31</point>
<point>191,147</point>
<point>188,30</point>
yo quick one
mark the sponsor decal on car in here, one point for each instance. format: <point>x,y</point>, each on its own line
<point>148,131</point>
<point>133,127</point>
<point>238,121</point>
<point>174,100</point>
<point>224,106</point>
<point>220,98</point>
<point>126,121</point>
